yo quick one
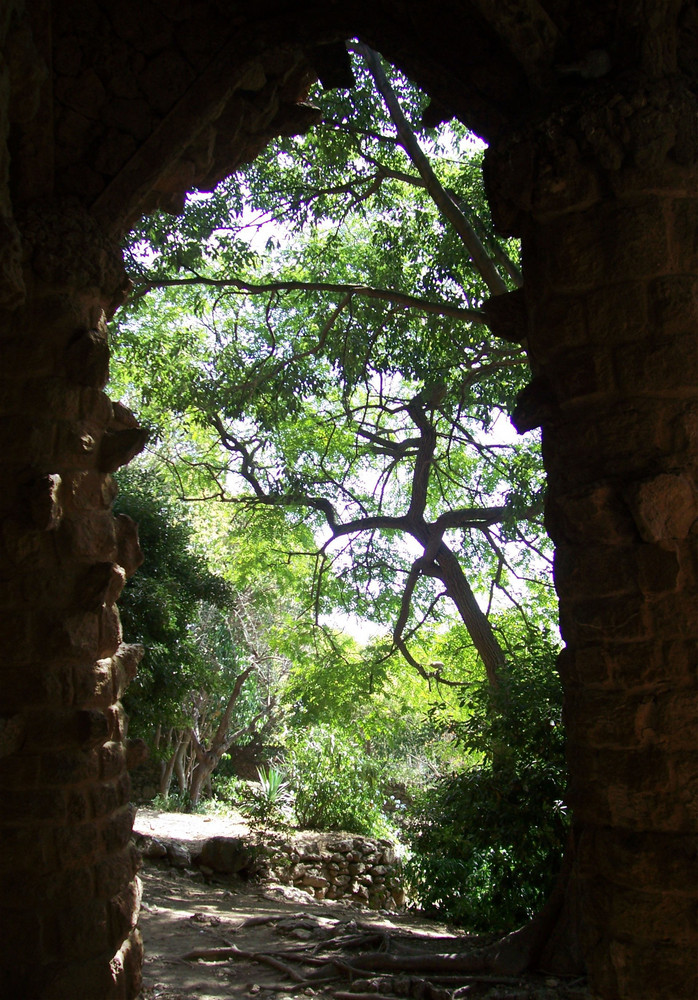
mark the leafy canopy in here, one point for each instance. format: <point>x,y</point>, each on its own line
<point>308,338</point>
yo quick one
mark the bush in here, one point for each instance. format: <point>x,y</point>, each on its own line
<point>335,783</point>
<point>229,789</point>
<point>268,800</point>
<point>486,842</point>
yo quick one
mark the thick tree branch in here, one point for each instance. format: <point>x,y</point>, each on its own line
<point>221,733</point>
<point>440,197</point>
<point>489,242</point>
<point>423,459</point>
<point>363,291</point>
<point>437,560</point>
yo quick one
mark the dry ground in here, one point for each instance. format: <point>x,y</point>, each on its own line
<point>295,937</point>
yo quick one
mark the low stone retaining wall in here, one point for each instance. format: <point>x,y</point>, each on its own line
<point>363,870</point>
<point>340,867</point>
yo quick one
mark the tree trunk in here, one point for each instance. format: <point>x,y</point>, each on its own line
<point>178,762</point>
<point>476,622</point>
<point>166,769</point>
<point>443,201</point>
<point>203,769</point>
<point>174,765</point>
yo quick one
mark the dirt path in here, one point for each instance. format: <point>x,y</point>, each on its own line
<point>183,912</point>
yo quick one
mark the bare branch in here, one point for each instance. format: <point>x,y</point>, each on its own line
<point>363,291</point>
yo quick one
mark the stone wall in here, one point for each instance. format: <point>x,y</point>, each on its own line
<point>333,866</point>
<point>610,314</point>
<point>69,893</point>
<point>108,109</point>
<point>336,866</point>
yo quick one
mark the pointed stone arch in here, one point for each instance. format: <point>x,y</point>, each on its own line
<point>109,109</point>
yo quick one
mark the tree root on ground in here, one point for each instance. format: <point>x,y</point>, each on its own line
<point>385,973</point>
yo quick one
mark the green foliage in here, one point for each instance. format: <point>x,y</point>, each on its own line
<point>264,386</point>
<point>174,802</point>
<point>268,801</point>
<point>163,601</point>
<point>487,841</point>
<point>272,382</point>
<point>229,790</point>
<point>334,781</point>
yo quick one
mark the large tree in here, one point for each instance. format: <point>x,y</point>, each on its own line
<point>324,374</point>
<point>216,643</point>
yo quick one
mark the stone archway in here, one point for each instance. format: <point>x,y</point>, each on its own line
<point>109,109</point>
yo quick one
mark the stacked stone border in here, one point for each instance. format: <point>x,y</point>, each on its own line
<point>334,866</point>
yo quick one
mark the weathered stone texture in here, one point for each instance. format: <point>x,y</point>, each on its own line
<point>65,801</point>
<point>108,110</point>
<point>330,866</point>
<point>611,333</point>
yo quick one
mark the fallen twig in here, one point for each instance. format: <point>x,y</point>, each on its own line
<point>210,954</point>
<point>292,987</point>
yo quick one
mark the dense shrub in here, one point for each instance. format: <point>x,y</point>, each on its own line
<point>334,782</point>
<point>486,842</point>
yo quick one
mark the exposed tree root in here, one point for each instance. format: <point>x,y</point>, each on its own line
<point>385,973</point>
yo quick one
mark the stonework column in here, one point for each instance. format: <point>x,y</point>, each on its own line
<point>68,881</point>
<point>611,279</point>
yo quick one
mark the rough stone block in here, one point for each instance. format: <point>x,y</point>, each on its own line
<point>87,359</point>
<point>68,767</point>
<point>93,684</point>
<point>123,909</point>
<point>78,806</point>
<point>112,756</point>
<point>111,874</point>
<point>77,845</point>
<point>84,931</point>
<point>36,805</point>
<point>578,374</point>
<point>631,969</point>
<point>110,631</point>
<point>656,861</point>
<point>88,490</point>
<point>26,847</point>
<point>21,932</point>
<point>626,720</point>
<point>590,515</point>
<point>634,790</point>
<point>45,506</point>
<point>126,660</point>
<point>129,553</point>
<point>106,797</point>
<point>76,637</point>
<point>658,569</point>
<point>230,854</point>
<point>90,537</point>
<point>684,216</point>
<point>116,832</point>
<point>658,364</point>
<point>96,409</point>
<point>21,771</point>
<point>614,619</point>
<point>117,448</point>
<point>595,570</point>
<point>673,302</point>
<point>674,615</point>
<point>664,508</point>
<point>572,259</point>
